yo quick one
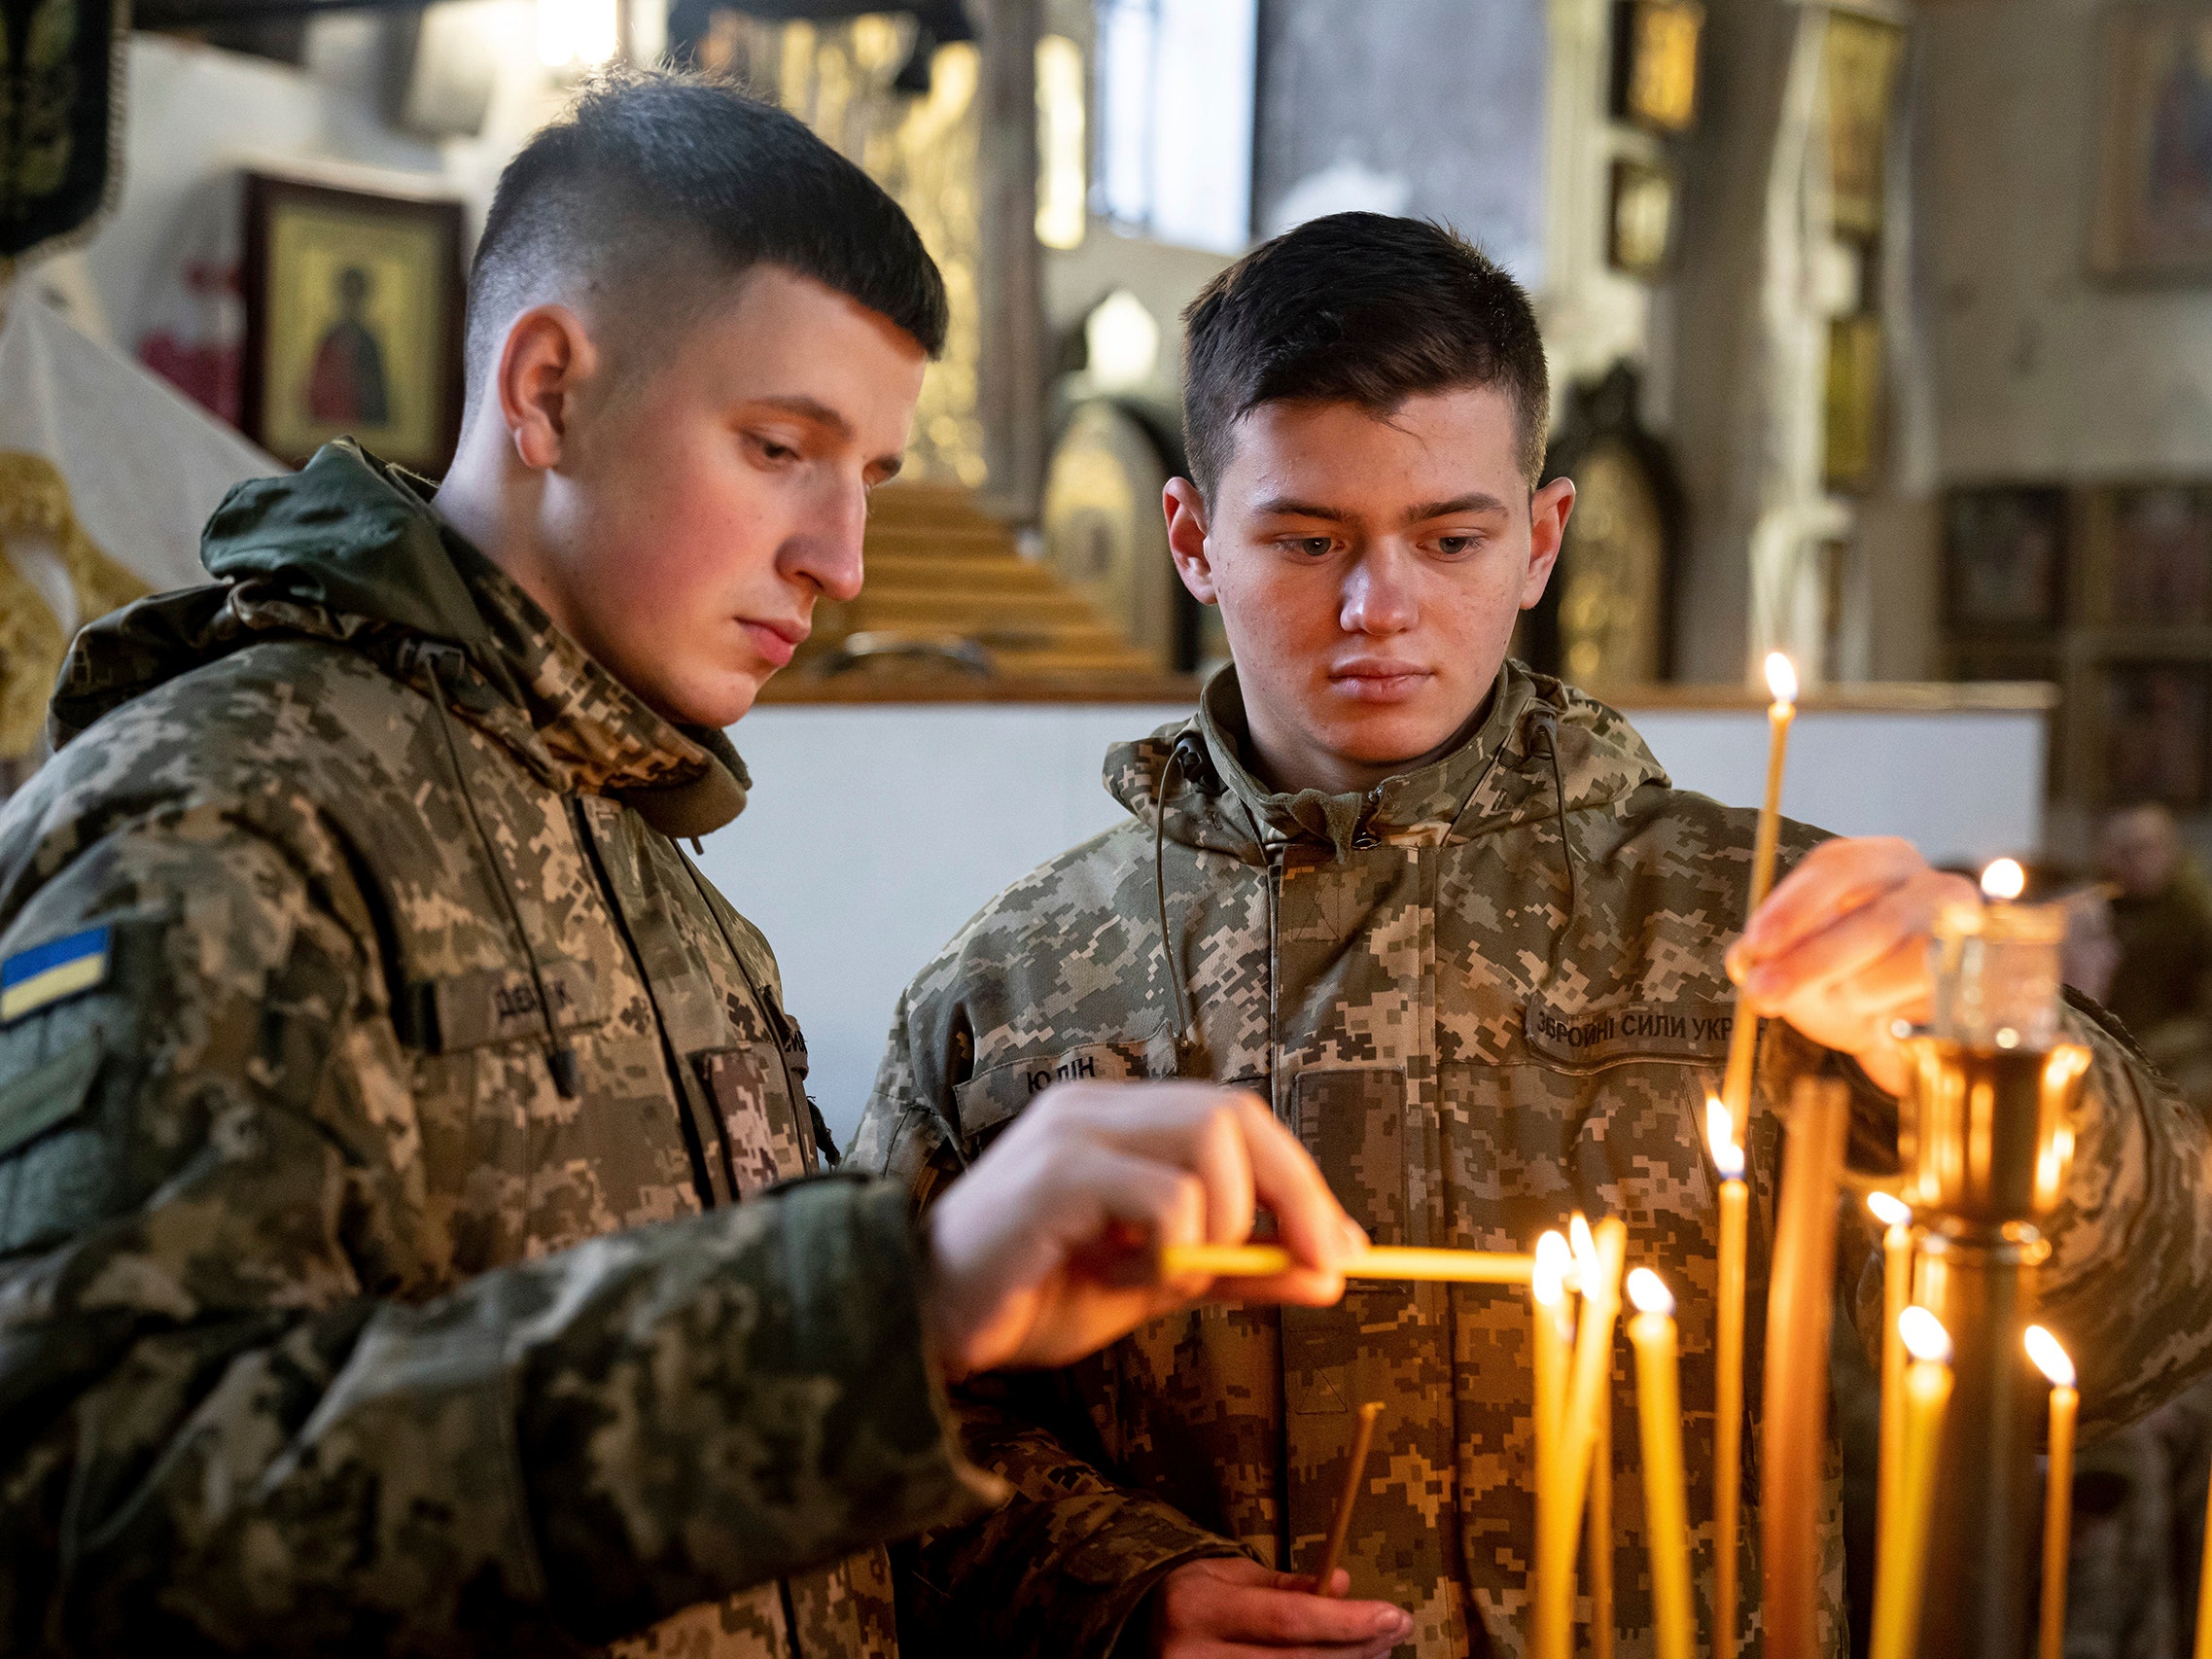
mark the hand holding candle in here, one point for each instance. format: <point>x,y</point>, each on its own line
<point>2058,1487</point>
<point>1728,1367</point>
<point>1658,1408</point>
<point>1901,1559</point>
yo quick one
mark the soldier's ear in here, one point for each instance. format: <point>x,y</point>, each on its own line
<point>544,361</point>
<point>1185,509</point>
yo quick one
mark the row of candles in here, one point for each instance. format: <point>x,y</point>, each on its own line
<point>1573,1366</point>
<point>1573,1347</point>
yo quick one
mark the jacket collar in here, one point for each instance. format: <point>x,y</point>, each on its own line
<point>349,549</point>
<point>1418,807</point>
<point>1502,774</point>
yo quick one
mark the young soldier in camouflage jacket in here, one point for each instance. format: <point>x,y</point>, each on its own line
<point>1453,920</point>
<point>358,1011</point>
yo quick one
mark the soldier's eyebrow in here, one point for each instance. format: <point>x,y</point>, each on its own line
<point>1474,501</point>
<point>810,409</point>
<point>1285,506</point>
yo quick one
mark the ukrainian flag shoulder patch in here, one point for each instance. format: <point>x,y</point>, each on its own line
<point>32,979</point>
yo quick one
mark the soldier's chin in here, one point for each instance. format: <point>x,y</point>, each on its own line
<point>719,699</point>
<point>1390,736</point>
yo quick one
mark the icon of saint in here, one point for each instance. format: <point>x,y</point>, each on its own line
<point>345,386</point>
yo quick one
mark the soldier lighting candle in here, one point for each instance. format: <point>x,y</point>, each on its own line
<point>1896,1289</point>
<point>2058,1487</point>
<point>1658,1406</point>
<point>1728,1366</point>
<point>1743,1038</point>
<point>1901,1555</point>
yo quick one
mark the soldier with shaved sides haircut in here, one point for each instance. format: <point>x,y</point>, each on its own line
<point>403,1243</point>
<point>1453,921</point>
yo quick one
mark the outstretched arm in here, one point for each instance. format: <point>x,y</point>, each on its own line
<point>1840,952</point>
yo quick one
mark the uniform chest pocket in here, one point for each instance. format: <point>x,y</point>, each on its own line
<point>1354,1123</point>
<point>994,1096</point>
<point>763,1140</point>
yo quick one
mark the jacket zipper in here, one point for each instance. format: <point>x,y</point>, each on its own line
<point>694,1145</point>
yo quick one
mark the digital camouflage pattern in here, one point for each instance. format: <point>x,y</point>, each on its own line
<point>1477,1028</point>
<point>329,1322</point>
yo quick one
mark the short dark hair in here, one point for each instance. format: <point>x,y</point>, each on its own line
<point>1359,308</point>
<point>678,182</point>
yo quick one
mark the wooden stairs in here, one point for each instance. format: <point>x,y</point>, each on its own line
<point>951,611</point>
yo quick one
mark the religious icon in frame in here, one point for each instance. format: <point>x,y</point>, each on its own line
<point>2152,216</point>
<point>353,305</point>
<point>1605,618</point>
<point>1852,426</point>
<point>2157,732</point>
<point>1859,62</point>
<point>1655,64</point>
<point>2004,557</point>
<point>2158,553</point>
<point>1640,225</point>
<point>1102,530</point>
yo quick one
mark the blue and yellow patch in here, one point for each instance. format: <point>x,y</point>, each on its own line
<point>45,973</point>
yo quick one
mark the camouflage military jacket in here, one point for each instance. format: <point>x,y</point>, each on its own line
<point>1487,993</point>
<point>371,1275</point>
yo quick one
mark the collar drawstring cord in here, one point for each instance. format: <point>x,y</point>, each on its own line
<point>559,1055</point>
<point>1175,766</point>
<point>1546,722</point>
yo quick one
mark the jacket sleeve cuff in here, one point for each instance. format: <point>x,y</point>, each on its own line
<point>1110,1552</point>
<point>734,1398</point>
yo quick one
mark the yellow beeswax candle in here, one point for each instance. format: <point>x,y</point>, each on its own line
<point>1586,1394</point>
<point>1727,1373</point>
<point>1666,1505</point>
<point>1901,1557</point>
<point>1548,1310</point>
<point>1742,1037</point>
<point>1599,1545</point>
<point>1800,1296</point>
<point>1896,1292</point>
<point>1259,1261</point>
<point>2052,1360</point>
<point>2203,1646</point>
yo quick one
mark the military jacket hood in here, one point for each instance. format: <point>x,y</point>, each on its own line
<point>349,548</point>
<point>1501,776</point>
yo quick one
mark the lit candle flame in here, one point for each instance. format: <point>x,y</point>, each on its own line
<point>1923,1335</point>
<point>1720,1137</point>
<point>2004,880</point>
<point>1649,1292</point>
<point>1782,677</point>
<point>2049,1356</point>
<point>1547,1282</point>
<point>1585,1245</point>
<point>1888,1208</point>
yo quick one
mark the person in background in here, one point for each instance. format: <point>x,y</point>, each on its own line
<point>2161,920</point>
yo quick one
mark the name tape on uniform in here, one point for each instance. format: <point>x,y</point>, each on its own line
<point>1628,1031</point>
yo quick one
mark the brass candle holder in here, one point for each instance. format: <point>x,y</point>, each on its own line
<point>1985,1147</point>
